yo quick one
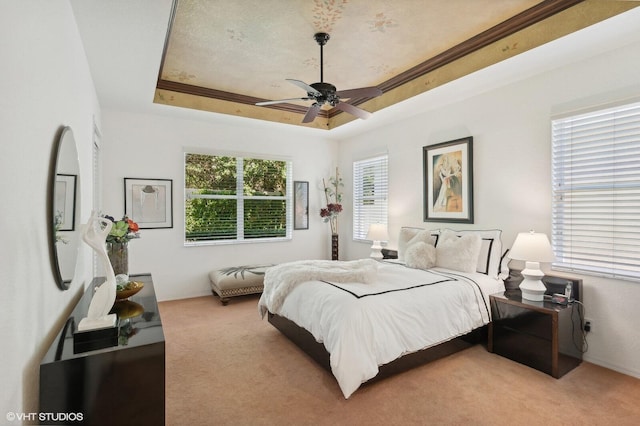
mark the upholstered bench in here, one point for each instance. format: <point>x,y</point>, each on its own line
<point>237,281</point>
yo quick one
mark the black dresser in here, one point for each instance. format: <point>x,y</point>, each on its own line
<point>120,383</point>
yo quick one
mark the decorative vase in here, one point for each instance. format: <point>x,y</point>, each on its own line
<point>334,246</point>
<point>119,257</point>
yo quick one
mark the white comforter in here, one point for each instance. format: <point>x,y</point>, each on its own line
<point>400,310</point>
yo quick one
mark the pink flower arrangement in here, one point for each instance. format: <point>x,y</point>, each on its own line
<point>123,230</point>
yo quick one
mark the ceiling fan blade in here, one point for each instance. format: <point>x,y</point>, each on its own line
<point>304,86</point>
<point>281,101</point>
<point>358,112</point>
<point>311,113</point>
<point>363,92</point>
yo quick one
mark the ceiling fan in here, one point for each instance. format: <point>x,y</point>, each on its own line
<point>325,93</point>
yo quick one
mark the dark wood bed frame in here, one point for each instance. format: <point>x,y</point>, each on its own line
<point>305,341</point>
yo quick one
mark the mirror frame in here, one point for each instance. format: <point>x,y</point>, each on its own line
<point>62,133</point>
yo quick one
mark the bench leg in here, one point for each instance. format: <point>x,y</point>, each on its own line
<point>223,300</point>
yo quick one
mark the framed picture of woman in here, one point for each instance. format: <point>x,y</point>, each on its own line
<point>448,181</point>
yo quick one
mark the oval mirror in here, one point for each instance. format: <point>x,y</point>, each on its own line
<point>64,208</point>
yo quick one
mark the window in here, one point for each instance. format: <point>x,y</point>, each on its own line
<point>596,192</point>
<point>370,188</point>
<point>235,199</point>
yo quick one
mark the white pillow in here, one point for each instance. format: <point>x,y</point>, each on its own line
<point>491,256</point>
<point>420,255</point>
<point>413,235</point>
<point>458,253</point>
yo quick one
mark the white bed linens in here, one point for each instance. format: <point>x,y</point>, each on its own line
<point>402,310</point>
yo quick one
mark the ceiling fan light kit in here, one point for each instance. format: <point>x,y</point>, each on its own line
<point>325,93</point>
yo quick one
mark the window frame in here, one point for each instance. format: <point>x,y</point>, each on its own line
<point>240,198</point>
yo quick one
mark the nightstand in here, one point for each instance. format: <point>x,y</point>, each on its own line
<point>542,335</point>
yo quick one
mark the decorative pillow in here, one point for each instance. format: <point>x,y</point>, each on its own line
<point>405,235</point>
<point>458,253</point>
<point>420,255</point>
<point>490,257</point>
<point>410,236</point>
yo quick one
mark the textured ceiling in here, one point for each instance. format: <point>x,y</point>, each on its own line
<point>250,47</point>
<point>225,55</point>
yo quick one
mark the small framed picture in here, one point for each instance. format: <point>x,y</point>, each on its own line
<point>300,205</point>
<point>448,181</point>
<point>149,202</point>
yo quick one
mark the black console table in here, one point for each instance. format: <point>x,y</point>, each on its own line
<point>122,383</point>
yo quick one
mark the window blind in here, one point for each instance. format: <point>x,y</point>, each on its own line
<point>233,199</point>
<point>596,192</point>
<point>97,192</point>
<point>370,194</point>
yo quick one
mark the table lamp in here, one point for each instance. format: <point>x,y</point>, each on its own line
<point>377,233</point>
<point>533,248</point>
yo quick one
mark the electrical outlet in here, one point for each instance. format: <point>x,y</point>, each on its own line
<point>588,325</point>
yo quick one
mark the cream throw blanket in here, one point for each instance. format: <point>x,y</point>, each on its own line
<point>279,280</point>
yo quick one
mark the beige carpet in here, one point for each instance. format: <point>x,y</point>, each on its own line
<point>226,366</point>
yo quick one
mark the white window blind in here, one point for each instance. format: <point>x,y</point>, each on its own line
<point>234,199</point>
<point>97,192</point>
<point>370,191</point>
<point>596,192</point>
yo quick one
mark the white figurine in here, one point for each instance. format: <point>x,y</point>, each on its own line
<point>94,233</point>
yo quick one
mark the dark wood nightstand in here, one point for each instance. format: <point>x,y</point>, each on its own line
<point>542,335</point>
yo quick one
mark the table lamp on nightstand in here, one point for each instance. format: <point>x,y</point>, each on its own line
<point>533,248</point>
<point>377,233</point>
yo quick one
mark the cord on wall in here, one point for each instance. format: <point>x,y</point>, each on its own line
<point>578,307</point>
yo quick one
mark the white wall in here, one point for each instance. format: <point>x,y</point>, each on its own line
<point>45,84</point>
<point>151,146</point>
<point>512,178</point>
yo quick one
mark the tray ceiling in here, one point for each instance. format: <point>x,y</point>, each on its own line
<point>225,55</point>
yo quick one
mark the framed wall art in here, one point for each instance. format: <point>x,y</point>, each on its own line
<point>64,202</point>
<point>149,202</point>
<point>300,205</point>
<point>448,181</point>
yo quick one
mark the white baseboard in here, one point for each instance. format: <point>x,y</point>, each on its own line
<point>605,364</point>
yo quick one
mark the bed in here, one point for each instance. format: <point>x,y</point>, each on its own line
<point>366,319</point>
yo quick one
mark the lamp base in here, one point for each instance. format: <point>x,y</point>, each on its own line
<point>532,287</point>
<point>376,250</point>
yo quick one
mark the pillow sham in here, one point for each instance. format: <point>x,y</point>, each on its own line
<point>420,255</point>
<point>459,253</point>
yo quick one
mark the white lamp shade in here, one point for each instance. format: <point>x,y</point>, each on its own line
<point>532,247</point>
<point>377,232</point>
